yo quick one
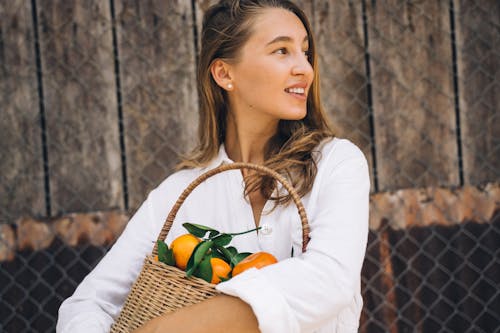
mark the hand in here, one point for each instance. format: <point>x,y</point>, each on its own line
<point>223,314</point>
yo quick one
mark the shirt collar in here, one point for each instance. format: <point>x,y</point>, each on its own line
<point>220,159</point>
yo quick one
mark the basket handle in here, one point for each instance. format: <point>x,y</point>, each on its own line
<point>225,167</point>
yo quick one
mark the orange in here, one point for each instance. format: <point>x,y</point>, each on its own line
<point>220,269</point>
<point>182,248</point>
<point>257,260</point>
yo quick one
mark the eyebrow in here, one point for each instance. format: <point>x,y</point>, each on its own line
<point>285,39</point>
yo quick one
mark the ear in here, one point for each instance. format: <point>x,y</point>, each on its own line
<point>221,73</point>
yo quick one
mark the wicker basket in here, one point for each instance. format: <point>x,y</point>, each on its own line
<point>161,288</point>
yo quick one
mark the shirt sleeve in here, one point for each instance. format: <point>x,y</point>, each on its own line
<point>99,298</point>
<point>303,293</point>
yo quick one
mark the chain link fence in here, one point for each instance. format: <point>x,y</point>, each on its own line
<point>98,98</point>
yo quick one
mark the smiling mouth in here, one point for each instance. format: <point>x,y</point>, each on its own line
<point>297,91</point>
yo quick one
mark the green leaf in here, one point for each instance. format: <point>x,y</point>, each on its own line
<point>169,258</point>
<point>204,270</point>
<point>198,253</point>
<point>232,250</point>
<point>165,255</point>
<point>239,257</point>
<point>216,253</point>
<point>213,233</point>
<point>222,239</point>
<point>199,230</point>
<point>227,254</point>
<point>162,249</point>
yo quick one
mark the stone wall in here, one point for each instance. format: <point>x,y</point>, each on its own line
<point>399,209</point>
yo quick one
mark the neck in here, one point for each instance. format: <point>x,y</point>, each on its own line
<point>246,139</point>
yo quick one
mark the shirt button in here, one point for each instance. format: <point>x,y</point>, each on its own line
<point>266,229</point>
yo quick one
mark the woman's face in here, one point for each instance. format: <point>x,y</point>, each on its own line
<point>272,76</point>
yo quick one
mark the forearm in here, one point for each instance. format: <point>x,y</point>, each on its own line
<point>224,314</point>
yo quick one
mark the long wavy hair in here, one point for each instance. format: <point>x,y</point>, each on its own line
<point>226,28</point>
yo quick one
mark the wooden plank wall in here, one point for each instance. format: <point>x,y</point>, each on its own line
<point>21,162</point>
<point>478,51</point>
<point>159,99</point>
<point>77,66</point>
<point>413,98</point>
<point>107,90</point>
<point>338,26</point>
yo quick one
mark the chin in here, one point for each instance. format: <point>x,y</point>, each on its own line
<point>296,115</point>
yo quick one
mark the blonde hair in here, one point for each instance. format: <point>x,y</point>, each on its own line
<point>226,28</point>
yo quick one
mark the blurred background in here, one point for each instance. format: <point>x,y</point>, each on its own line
<point>97,98</point>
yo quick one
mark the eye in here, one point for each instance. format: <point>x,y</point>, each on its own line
<point>281,50</point>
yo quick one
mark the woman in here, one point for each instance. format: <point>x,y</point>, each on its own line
<point>259,92</point>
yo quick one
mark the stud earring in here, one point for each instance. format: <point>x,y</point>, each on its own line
<point>229,86</point>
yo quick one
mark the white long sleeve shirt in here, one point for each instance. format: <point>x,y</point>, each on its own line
<point>315,291</point>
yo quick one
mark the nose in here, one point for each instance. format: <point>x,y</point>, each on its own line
<point>302,66</point>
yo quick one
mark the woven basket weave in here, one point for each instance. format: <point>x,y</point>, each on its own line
<point>161,288</point>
